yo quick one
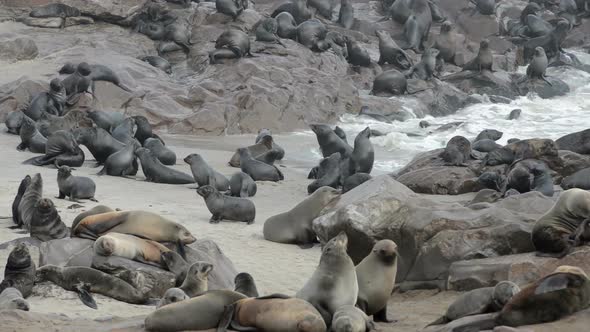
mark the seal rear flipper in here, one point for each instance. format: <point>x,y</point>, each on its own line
<point>274,296</point>
<point>305,245</point>
<point>38,161</point>
<point>99,223</point>
<point>442,320</point>
<point>21,147</point>
<point>226,318</point>
<point>381,316</point>
<point>85,296</point>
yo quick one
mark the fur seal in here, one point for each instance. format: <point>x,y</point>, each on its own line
<point>275,312</point>
<point>176,264</point>
<point>520,150</point>
<point>338,131</point>
<point>144,129</point>
<point>334,282</point>
<point>578,142</point>
<point>269,157</point>
<point>457,152</point>
<point>232,8</point>
<point>157,172</point>
<point>172,295</point>
<point>77,83</point>
<point>164,155</point>
<point>520,179</point>
<point>485,7</point>
<point>180,316</point>
<point>95,210</point>
<point>51,102</point>
<point>14,121</point>
<point>337,43</point>
<point>227,207</point>
<point>330,173</point>
<point>542,180</point>
<point>553,233</point>
<point>258,170</point>
<point>31,138</point>
<point>46,224</point>
<point>446,43</point>
<point>204,174</point>
<point>329,142</point>
<point>76,187</point>
<point>130,247</point>
<point>122,162</point>
<point>19,272</point>
<point>536,69</point>
<point>311,34</point>
<point>352,319</point>
<point>49,124</point>
<point>234,40</point>
<point>484,59</point>
<point>106,120</point>
<point>125,131</point>
<point>242,185</point>
<point>491,134</point>
<point>354,181</point>
<point>376,278</point>
<point>346,14</point>
<point>11,298</point>
<point>551,42</point>
<point>580,179</point>
<point>245,284</point>
<point>357,55</point>
<point>561,293</point>
<point>263,144</point>
<point>158,62</point>
<point>287,26</point>
<point>266,31</point>
<point>19,196</point>
<point>195,282</point>
<point>390,52</point>
<point>514,114</point>
<point>425,69</point>
<point>84,280</point>
<point>55,10</point>
<point>295,225</point>
<point>479,301</point>
<point>485,145</point>
<point>32,195</point>
<point>322,8</point>
<point>400,10</point>
<point>390,82</point>
<point>363,154</point>
<point>297,8</point>
<point>97,73</point>
<point>98,141</point>
<point>61,148</point>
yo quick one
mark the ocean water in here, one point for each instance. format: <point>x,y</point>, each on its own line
<point>540,118</point>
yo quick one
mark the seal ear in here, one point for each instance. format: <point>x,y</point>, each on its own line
<point>226,318</point>
<point>85,296</point>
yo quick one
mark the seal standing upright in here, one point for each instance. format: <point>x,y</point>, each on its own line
<point>390,52</point>
<point>330,142</point>
<point>363,153</point>
<point>446,43</point>
<point>32,195</point>
<point>46,224</point>
<point>19,272</point>
<point>334,282</point>
<point>19,196</point>
<point>30,137</point>
<point>204,174</point>
<point>538,65</point>
<point>484,59</point>
<point>227,207</point>
<point>426,68</point>
<point>76,187</point>
<point>457,151</point>
<point>346,15</point>
<point>258,170</point>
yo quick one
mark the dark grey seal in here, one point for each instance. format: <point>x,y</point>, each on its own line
<point>157,172</point>
<point>328,174</point>
<point>390,82</point>
<point>258,170</point>
<point>538,66</point>
<point>551,42</point>
<point>76,187</point>
<point>363,154</point>
<point>357,55</point>
<point>390,52</point>
<point>122,162</point>
<point>158,62</point>
<point>425,69</point>
<point>165,155</point>
<point>227,207</point>
<point>46,224</point>
<point>51,102</point>
<point>514,114</point>
<point>287,26</point>
<point>232,8</point>
<point>329,142</point>
<point>242,185</point>
<point>485,7</point>
<point>98,141</point>
<point>354,181</point>
<point>346,14</point>
<point>245,284</point>
<point>485,145</point>
<point>484,59</point>
<point>19,272</point>
<point>106,120</point>
<point>14,121</point>
<point>97,73</point>
<point>266,31</point>
<point>580,179</point>
<point>31,138</point>
<point>297,8</point>
<point>205,174</point>
<point>125,131</point>
<point>446,43</point>
<point>231,44</point>
<point>19,195</point>
<point>457,152</point>
<point>492,134</point>
<point>311,34</point>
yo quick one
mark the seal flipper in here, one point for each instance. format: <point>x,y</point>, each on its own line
<point>442,320</point>
<point>274,296</point>
<point>226,318</point>
<point>557,282</point>
<point>305,245</point>
<point>85,296</point>
<point>381,316</point>
<point>180,248</point>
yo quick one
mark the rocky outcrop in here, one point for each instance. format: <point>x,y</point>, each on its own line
<point>426,229</point>
<point>17,48</point>
<point>442,180</point>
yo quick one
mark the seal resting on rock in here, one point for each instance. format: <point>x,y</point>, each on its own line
<point>297,8</point>
<point>158,62</point>
<point>227,207</point>
<point>390,82</point>
<point>232,8</point>
<point>33,193</point>
<point>195,281</point>
<point>390,52</point>
<point>55,10</point>
<point>14,121</point>
<point>580,179</point>
<point>457,151</point>
<point>538,66</point>
<point>363,154</point>
<point>130,247</point>
<point>172,295</point>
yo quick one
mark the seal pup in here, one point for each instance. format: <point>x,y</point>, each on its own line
<point>122,162</point>
<point>311,34</point>
<point>330,173</point>
<point>363,154</point>
<point>204,174</point>
<point>19,272</point>
<point>32,195</point>
<point>76,187</point>
<point>195,282</point>
<point>457,152</point>
<point>155,171</point>
<point>172,295</point>
<point>390,52</point>
<point>258,170</point>
<point>164,155</point>
<point>227,207</point>
<point>31,138</point>
<point>242,185</point>
<point>234,40</point>
<point>98,141</point>
<point>158,62</point>
<point>14,121</point>
<point>17,199</point>
<point>446,43</point>
<point>352,319</point>
<point>329,142</point>
<point>334,282</point>
<point>425,69</point>
<point>561,293</point>
<point>357,55</point>
<point>232,8</point>
<point>514,114</point>
<point>376,278</point>
<point>286,25</point>
<point>245,284</point>
<point>176,264</point>
<point>536,69</point>
<point>492,134</point>
<point>263,144</point>
<point>346,14</point>
<point>50,102</point>
<point>180,316</point>
<point>295,225</point>
<point>11,298</point>
<point>479,301</point>
<point>46,224</point>
<point>130,247</point>
<point>354,181</point>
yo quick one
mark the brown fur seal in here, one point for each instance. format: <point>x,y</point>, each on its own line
<point>227,207</point>
<point>538,65</point>
<point>330,142</point>
<point>130,247</point>
<point>484,59</point>
<point>32,195</point>
<point>245,284</point>
<point>357,55</point>
<point>457,152</point>
<point>205,174</point>
<point>561,293</point>
<point>19,196</point>
<point>272,313</point>
<point>46,224</point>
<point>295,225</point>
<point>333,283</point>
<point>242,185</point>
<point>258,170</point>
<point>195,282</point>
<point>98,141</point>
<point>19,272</point>
<point>181,316</point>
<point>51,102</point>
<point>76,187</point>
<point>155,171</point>
<point>11,298</point>
<point>554,233</point>
<point>390,82</point>
<point>446,43</point>
<point>31,138</point>
<point>95,210</point>
<point>172,295</point>
<point>390,52</point>
<point>264,144</point>
<point>376,278</point>
<point>363,154</point>
<point>122,162</point>
<point>233,40</point>
<point>352,319</point>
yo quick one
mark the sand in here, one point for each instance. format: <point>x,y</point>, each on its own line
<point>277,268</point>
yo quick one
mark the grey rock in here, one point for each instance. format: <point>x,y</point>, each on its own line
<point>17,48</point>
<point>66,252</point>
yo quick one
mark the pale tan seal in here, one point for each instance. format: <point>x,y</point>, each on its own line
<point>11,298</point>
<point>351,319</point>
<point>172,295</point>
<point>130,247</point>
<point>195,282</point>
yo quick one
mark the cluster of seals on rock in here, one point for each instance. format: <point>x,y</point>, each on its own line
<point>295,225</point>
<point>11,299</point>
<point>204,174</point>
<point>242,185</point>
<point>46,224</point>
<point>155,171</point>
<point>19,271</point>
<point>130,247</point>
<point>76,187</point>
<point>245,284</point>
<point>227,207</point>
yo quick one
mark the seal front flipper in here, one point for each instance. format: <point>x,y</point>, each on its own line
<point>226,318</point>
<point>381,316</point>
<point>85,296</point>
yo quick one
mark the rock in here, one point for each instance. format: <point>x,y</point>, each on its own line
<point>386,109</point>
<point>49,22</point>
<point>441,180</point>
<point>112,11</point>
<point>544,90</point>
<point>521,269</point>
<point>223,273</point>
<point>497,83</point>
<point>422,160</point>
<point>426,229</point>
<point>571,163</point>
<point>66,252</point>
<point>443,99</point>
<point>575,322</point>
<point>163,280</point>
<point>16,48</point>
<point>578,142</point>
<point>19,320</point>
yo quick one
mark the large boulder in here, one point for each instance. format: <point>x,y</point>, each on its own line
<point>17,48</point>
<point>66,252</point>
<point>224,272</point>
<point>426,229</point>
<point>112,11</point>
<point>441,180</point>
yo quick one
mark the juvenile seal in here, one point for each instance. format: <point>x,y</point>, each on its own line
<point>14,121</point>
<point>357,55</point>
<point>390,52</point>
<point>330,173</point>
<point>363,154</point>
<point>98,141</point>
<point>157,172</point>
<point>287,27</point>
<point>376,278</point>
<point>122,162</point>
<point>334,282</point>
<point>11,298</point>
<point>492,134</point>
<point>95,210</point>
<point>97,73</point>
<point>580,179</point>
<point>195,282</point>
<point>130,247</point>
<point>164,155</point>
<point>76,187</point>
<point>329,142</point>
<point>245,284</point>
<point>227,207</point>
<point>232,8</point>
<point>242,185</point>
<point>538,65</point>
<point>46,224</point>
<point>266,31</point>
<point>457,152</point>
<point>32,195</point>
<point>175,264</point>
<point>172,295</point>
<point>561,293</point>
<point>354,181</point>
<point>297,8</point>
<point>180,316</point>
<point>17,199</point>
<point>390,82</point>
<point>485,145</point>
<point>204,174</point>
<point>258,170</point>
<point>158,62</point>
<point>50,102</point>
<point>425,69</point>
<point>346,14</point>
<point>295,225</point>
<point>352,319</point>
<point>272,313</point>
<point>484,59</point>
<point>19,272</point>
<point>106,120</point>
<point>234,40</point>
<point>446,43</point>
<point>31,138</point>
<point>311,34</point>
